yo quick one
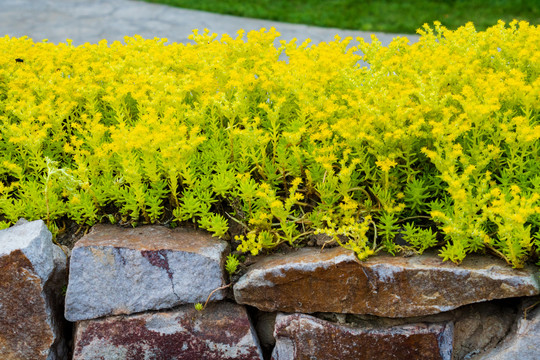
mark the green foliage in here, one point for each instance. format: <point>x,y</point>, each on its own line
<point>388,229</point>
<point>420,239</point>
<point>397,16</point>
<point>435,140</point>
<point>231,264</point>
<point>416,195</point>
<point>214,223</point>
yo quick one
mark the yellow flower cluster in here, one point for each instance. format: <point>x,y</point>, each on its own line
<point>282,141</point>
<point>355,234</point>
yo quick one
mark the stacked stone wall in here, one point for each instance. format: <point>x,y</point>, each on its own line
<point>131,295</point>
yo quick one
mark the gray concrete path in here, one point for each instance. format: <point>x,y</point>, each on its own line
<point>94,20</point>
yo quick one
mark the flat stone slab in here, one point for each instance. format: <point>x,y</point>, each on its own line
<point>221,331</point>
<point>311,281</point>
<point>115,270</point>
<point>476,327</point>
<point>300,336</point>
<point>32,273</point>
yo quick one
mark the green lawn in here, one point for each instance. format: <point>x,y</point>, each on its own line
<point>384,15</point>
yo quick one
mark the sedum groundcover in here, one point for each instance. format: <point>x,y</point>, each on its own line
<point>433,144</point>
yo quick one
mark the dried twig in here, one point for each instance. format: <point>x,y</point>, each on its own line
<point>213,291</point>
<point>529,308</point>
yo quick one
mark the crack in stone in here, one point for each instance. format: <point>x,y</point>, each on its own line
<point>174,290</point>
<point>121,256</point>
<point>159,259</point>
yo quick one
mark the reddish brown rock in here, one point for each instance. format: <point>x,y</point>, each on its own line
<point>221,331</point>
<point>117,271</point>
<point>477,327</point>
<point>311,281</point>
<point>300,336</point>
<point>32,272</point>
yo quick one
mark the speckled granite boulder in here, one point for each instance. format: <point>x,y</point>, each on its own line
<point>123,271</point>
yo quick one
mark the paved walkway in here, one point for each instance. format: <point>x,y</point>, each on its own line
<point>93,20</point>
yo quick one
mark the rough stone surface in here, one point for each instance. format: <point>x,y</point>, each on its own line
<point>221,331</point>
<point>477,327</point>
<point>522,344</point>
<point>300,336</point>
<point>32,273</point>
<point>122,271</point>
<point>311,281</point>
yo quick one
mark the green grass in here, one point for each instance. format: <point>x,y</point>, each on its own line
<point>393,16</point>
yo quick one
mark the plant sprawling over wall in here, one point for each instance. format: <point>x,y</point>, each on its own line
<point>435,143</point>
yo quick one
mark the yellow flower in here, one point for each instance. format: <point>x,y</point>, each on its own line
<point>68,148</point>
<point>296,182</point>
<point>515,189</point>
<point>386,164</point>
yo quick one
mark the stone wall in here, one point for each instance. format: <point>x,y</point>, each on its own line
<point>131,295</point>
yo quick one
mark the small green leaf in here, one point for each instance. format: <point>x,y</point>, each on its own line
<point>231,264</point>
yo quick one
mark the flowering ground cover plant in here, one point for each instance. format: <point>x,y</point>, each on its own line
<point>434,144</point>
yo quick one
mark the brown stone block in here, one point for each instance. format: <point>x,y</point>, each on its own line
<point>25,332</point>
<point>300,336</point>
<point>32,273</point>
<point>311,281</point>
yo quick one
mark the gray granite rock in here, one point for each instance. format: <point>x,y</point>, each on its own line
<point>32,274</point>
<point>122,271</point>
<point>222,331</point>
<point>35,241</point>
<point>523,343</point>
